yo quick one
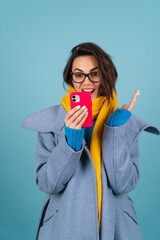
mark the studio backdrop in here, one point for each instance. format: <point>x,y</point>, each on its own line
<point>35,42</point>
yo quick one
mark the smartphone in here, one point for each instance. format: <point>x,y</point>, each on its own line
<point>83,98</point>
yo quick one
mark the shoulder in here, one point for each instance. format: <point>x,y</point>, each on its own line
<point>46,120</point>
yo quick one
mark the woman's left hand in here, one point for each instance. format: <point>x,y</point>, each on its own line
<point>133,101</point>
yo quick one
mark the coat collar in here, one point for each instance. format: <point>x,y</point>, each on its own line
<point>47,120</point>
<point>137,124</point>
<point>52,120</point>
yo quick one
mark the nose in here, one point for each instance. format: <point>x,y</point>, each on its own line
<point>86,80</point>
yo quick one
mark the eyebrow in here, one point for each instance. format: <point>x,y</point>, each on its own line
<point>82,70</point>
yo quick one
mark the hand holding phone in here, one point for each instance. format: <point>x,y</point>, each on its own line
<point>83,99</point>
<point>76,117</point>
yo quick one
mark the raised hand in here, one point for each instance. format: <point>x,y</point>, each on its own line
<point>133,101</point>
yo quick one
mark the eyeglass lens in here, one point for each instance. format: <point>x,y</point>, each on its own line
<point>79,77</point>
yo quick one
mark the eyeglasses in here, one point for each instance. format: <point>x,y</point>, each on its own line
<point>80,77</point>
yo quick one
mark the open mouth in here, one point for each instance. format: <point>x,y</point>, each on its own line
<point>88,90</point>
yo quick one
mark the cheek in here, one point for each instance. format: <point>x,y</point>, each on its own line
<point>75,86</point>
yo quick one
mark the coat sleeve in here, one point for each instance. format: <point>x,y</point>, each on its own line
<point>120,153</point>
<point>55,164</point>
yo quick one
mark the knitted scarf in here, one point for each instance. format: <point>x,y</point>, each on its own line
<point>101,111</point>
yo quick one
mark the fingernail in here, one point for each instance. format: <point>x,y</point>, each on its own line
<point>78,106</point>
<point>83,107</point>
<point>86,113</point>
<point>138,92</point>
<point>85,110</point>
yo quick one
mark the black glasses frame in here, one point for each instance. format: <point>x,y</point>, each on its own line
<point>85,75</point>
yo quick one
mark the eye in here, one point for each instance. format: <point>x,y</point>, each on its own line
<point>78,75</point>
<point>94,74</point>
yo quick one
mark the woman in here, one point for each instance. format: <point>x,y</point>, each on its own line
<point>87,172</point>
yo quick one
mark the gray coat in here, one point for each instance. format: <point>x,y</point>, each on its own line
<point>69,180</point>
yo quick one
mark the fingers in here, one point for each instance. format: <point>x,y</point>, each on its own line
<point>71,112</point>
<point>81,120</point>
<point>76,117</point>
<point>133,101</point>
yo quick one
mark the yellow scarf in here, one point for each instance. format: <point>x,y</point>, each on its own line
<point>101,111</point>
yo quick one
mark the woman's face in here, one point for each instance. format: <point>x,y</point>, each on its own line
<point>86,64</point>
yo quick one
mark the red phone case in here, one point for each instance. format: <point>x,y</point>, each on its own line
<point>83,99</point>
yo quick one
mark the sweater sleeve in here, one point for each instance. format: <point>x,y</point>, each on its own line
<point>118,117</point>
<point>74,137</point>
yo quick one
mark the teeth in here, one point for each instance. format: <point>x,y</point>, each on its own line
<point>87,90</point>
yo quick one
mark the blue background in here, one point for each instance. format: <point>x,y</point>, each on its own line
<point>35,42</point>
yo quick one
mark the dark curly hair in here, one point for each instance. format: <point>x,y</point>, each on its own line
<point>108,72</point>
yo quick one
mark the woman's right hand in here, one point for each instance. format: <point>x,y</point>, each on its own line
<point>76,117</point>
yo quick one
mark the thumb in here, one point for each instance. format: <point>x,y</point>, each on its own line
<point>125,106</point>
